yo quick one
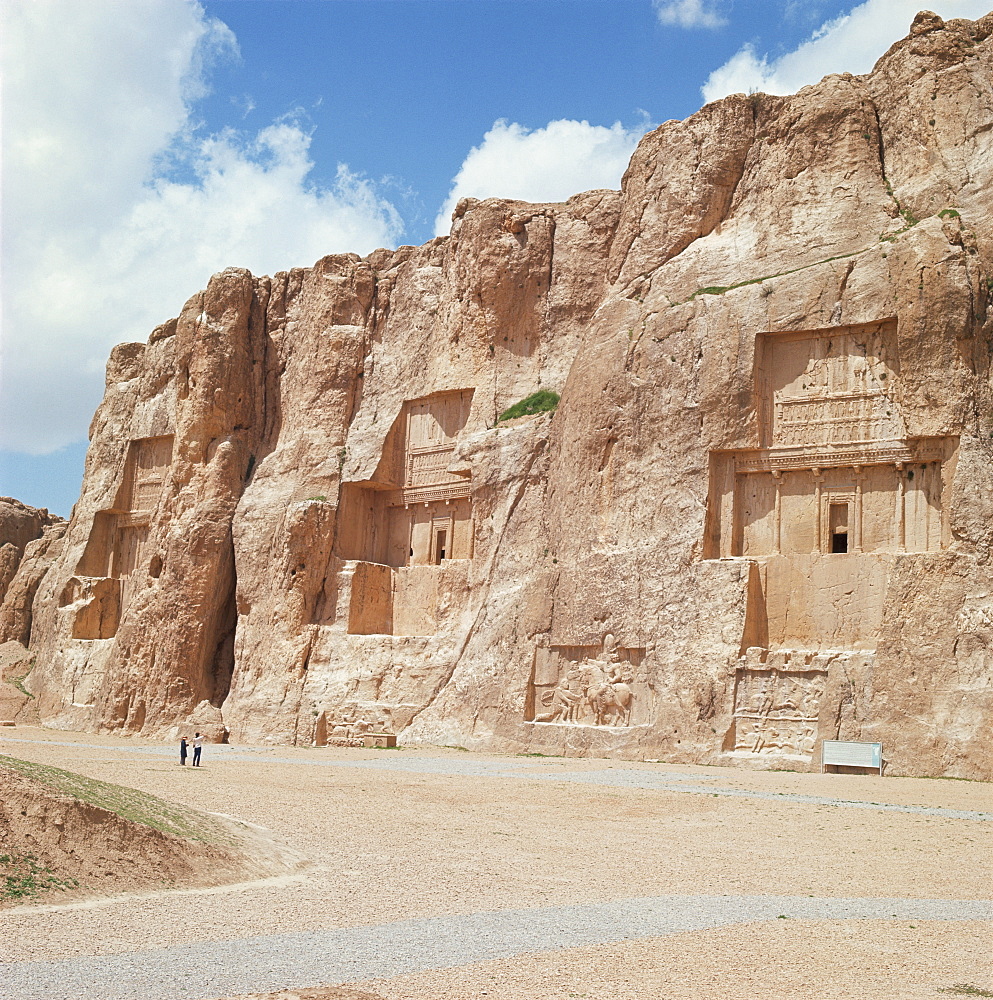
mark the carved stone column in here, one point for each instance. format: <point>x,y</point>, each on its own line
<point>818,481</point>
<point>857,525</point>
<point>901,509</point>
<point>777,477</point>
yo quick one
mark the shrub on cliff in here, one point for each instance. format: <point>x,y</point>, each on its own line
<point>542,401</point>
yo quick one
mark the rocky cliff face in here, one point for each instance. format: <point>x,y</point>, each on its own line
<point>20,525</point>
<point>29,541</point>
<point>760,517</point>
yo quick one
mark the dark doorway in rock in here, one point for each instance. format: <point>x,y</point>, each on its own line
<point>838,526</point>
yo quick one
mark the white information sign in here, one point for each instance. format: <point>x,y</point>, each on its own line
<point>851,754</point>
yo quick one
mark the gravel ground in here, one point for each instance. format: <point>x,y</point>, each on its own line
<point>436,873</point>
<point>345,955</point>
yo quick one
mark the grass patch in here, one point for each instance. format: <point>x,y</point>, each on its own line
<point>23,876</point>
<point>965,990</point>
<point>18,682</point>
<point>948,213</point>
<point>721,289</point>
<point>128,803</point>
<point>542,401</point>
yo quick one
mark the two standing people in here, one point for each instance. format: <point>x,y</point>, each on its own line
<point>197,748</point>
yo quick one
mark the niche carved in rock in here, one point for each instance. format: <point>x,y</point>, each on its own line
<point>589,686</point>
<point>115,550</point>
<point>835,472</point>
<point>400,532</point>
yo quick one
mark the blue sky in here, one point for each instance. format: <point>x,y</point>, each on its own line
<point>150,143</point>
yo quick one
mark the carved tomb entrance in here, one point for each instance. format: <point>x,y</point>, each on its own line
<point>401,531</point>
<point>113,566</point>
<point>834,491</point>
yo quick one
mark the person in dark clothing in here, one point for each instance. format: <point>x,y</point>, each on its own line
<point>197,745</point>
<point>182,750</point>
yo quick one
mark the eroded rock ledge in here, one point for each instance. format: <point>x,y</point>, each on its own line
<point>760,516</point>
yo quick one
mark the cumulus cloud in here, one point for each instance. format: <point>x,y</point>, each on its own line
<point>116,208</point>
<point>544,164</point>
<point>849,44</point>
<point>688,14</point>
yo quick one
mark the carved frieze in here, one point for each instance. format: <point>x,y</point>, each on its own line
<point>827,387</point>
<point>603,685</point>
<point>777,701</point>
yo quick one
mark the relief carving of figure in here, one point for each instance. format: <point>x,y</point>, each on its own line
<point>341,727</point>
<point>565,701</point>
<point>788,699</point>
<point>598,691</point>
<point>810,704</point>
<point>776,711</point>
<point>611,698</point>
<point>612,704</point>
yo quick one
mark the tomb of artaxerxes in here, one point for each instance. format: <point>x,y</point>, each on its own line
<point>760,517</point>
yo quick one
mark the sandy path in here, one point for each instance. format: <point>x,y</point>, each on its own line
<point>419,834</point>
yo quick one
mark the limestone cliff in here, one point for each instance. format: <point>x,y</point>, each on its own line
<point>760,517</point>
<point>29,541</point>
<point>20,525</point>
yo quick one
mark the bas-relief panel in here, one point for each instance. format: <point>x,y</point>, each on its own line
<point>350,723</point>
<point>363,685</point>
<point>830,387</point>
<point>602,685</point>
<point>777,700</point>
<point>775,711</point>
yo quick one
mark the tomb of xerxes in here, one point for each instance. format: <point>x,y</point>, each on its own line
<point>760,517</point>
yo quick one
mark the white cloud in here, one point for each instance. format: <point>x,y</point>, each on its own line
<point>545,164</point>
<point>849,44</point>
<point>688,14</point>
<point>102,239</point>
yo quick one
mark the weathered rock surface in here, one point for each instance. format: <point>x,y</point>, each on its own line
<point>16,705</point>
<point>19,525</point>
<point>760,517</point>
<point>29,541</point>
<point>34,563</point>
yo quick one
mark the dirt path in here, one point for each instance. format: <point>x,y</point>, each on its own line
<point>436,873</point>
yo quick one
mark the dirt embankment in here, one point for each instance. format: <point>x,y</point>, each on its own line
<point>65,836</point>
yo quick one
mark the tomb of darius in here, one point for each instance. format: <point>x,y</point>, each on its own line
<point>760,516</point>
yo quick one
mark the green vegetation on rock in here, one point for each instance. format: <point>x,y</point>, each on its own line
<point>18,682</point>
<point>542,401</point>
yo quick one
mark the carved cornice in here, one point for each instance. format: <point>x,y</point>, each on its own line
<point>429,494</point>
<point>829,456</point>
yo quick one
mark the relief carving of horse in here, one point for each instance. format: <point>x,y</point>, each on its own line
<point>612,704</point>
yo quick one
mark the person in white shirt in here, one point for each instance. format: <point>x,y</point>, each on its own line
<point>197,746</point>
